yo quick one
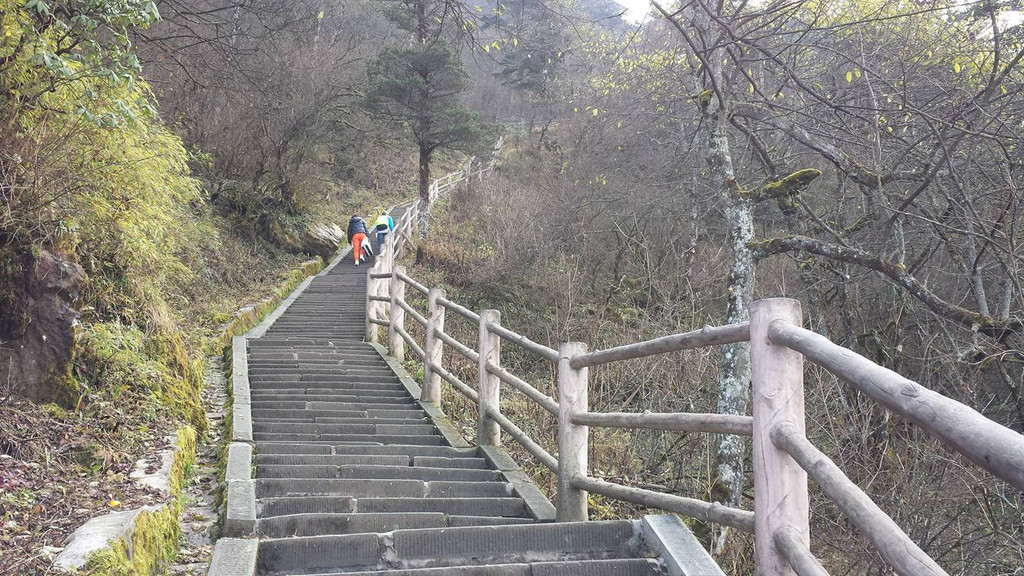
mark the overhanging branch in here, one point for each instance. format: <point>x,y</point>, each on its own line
<point>896,273</point>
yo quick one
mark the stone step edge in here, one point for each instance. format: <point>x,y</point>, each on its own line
<point>662,534</point>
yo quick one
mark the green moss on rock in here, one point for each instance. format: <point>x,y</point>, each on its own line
<point>791,184</point>
<point>154,541</point>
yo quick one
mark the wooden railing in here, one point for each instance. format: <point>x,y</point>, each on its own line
<point>783,456</point>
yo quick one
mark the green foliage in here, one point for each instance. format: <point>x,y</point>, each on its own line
<point>419,87</point>
<point>91,171</point>
<point>49,45</point>
<point>118,362</point>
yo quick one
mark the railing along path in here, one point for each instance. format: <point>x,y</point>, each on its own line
<point>782,454</point>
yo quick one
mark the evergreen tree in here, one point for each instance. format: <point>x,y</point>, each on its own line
<point>420,86</point>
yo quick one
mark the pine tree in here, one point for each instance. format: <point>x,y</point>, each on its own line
<point>420,86</point>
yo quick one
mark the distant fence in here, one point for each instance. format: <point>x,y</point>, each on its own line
<point>782,454</point>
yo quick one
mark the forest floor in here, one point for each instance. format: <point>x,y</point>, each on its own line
<point>199,518</point>
<point>58,470</point>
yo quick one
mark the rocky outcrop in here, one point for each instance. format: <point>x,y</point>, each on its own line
<point>322,240</point>
<point>37,326</point>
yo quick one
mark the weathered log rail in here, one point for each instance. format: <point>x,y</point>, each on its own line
<point>782,454</point>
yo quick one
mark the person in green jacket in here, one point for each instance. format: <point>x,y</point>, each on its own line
<point>383,225</point>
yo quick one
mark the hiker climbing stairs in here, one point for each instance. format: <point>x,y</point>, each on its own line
<point>352,475</point>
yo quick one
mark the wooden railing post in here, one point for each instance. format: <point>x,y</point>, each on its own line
<point>433,348</point>
<point>489,392</point>
<point>396,344</point>
<point>573,439</point>
<point>372,333</point>
<point>780,484</point>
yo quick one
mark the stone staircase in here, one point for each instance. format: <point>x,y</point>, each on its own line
<point>352,475</point>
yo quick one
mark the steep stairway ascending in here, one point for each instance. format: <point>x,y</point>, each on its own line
<point>352,476</point>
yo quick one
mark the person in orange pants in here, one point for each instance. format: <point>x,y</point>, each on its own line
<point>357,246</point>
<point>357,233</point>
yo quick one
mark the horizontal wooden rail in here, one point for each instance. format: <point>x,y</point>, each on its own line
<point>707,336</point>
<point>460,310</point>
<point>380,275</point>
<point>676,422</point>
<point>691,507</point>
<point>420,318</point>
<point>410,341</point>
<point>379,298</point>
<point>898,550</point>
<point>384,323</point>
<point>506,334</point>
<point>416,285</point>
<point>796,552</point>
<point>538,452</point>
<point>459,347</point>
<point>995,448</point>
<point>459,385</point>
<point>546,402</point>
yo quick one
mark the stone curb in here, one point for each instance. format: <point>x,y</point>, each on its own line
<point>679,549</point>
<point>240,511</point>
<point>241,413</point>
<point>100,532</point>
<point>536,502</point>
<point>239,462</point>
<point>234,557</point>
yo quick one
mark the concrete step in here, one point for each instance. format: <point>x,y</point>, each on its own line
<point>362,391</point>
<point>317,524</point>
<point>455,521</point>
<point>278,487</point>
<point>379,459</point>
<point>325,428</point>
<point>614,567</point>
<point>367,407</point>
<point>303,343</point>
<point>340,376</point>
<point>480,507</point>
<point>411,450</point>
<point>339,386</point>
<point>321,361</point>
<point>361,420</point>
<point>377,488</point>
<point>343,438</point>
<point>303,413</point>
<point>333,460</point>
<point>332,402</point>
<point>480,545</point>
<point>375,471</point>
<point>370,365</point>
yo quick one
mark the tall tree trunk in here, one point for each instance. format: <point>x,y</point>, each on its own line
<point>734,376</point>
<point>424,205</point>
<point>421,35</point>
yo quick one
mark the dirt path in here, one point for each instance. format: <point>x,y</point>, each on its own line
<point>199,519</point>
